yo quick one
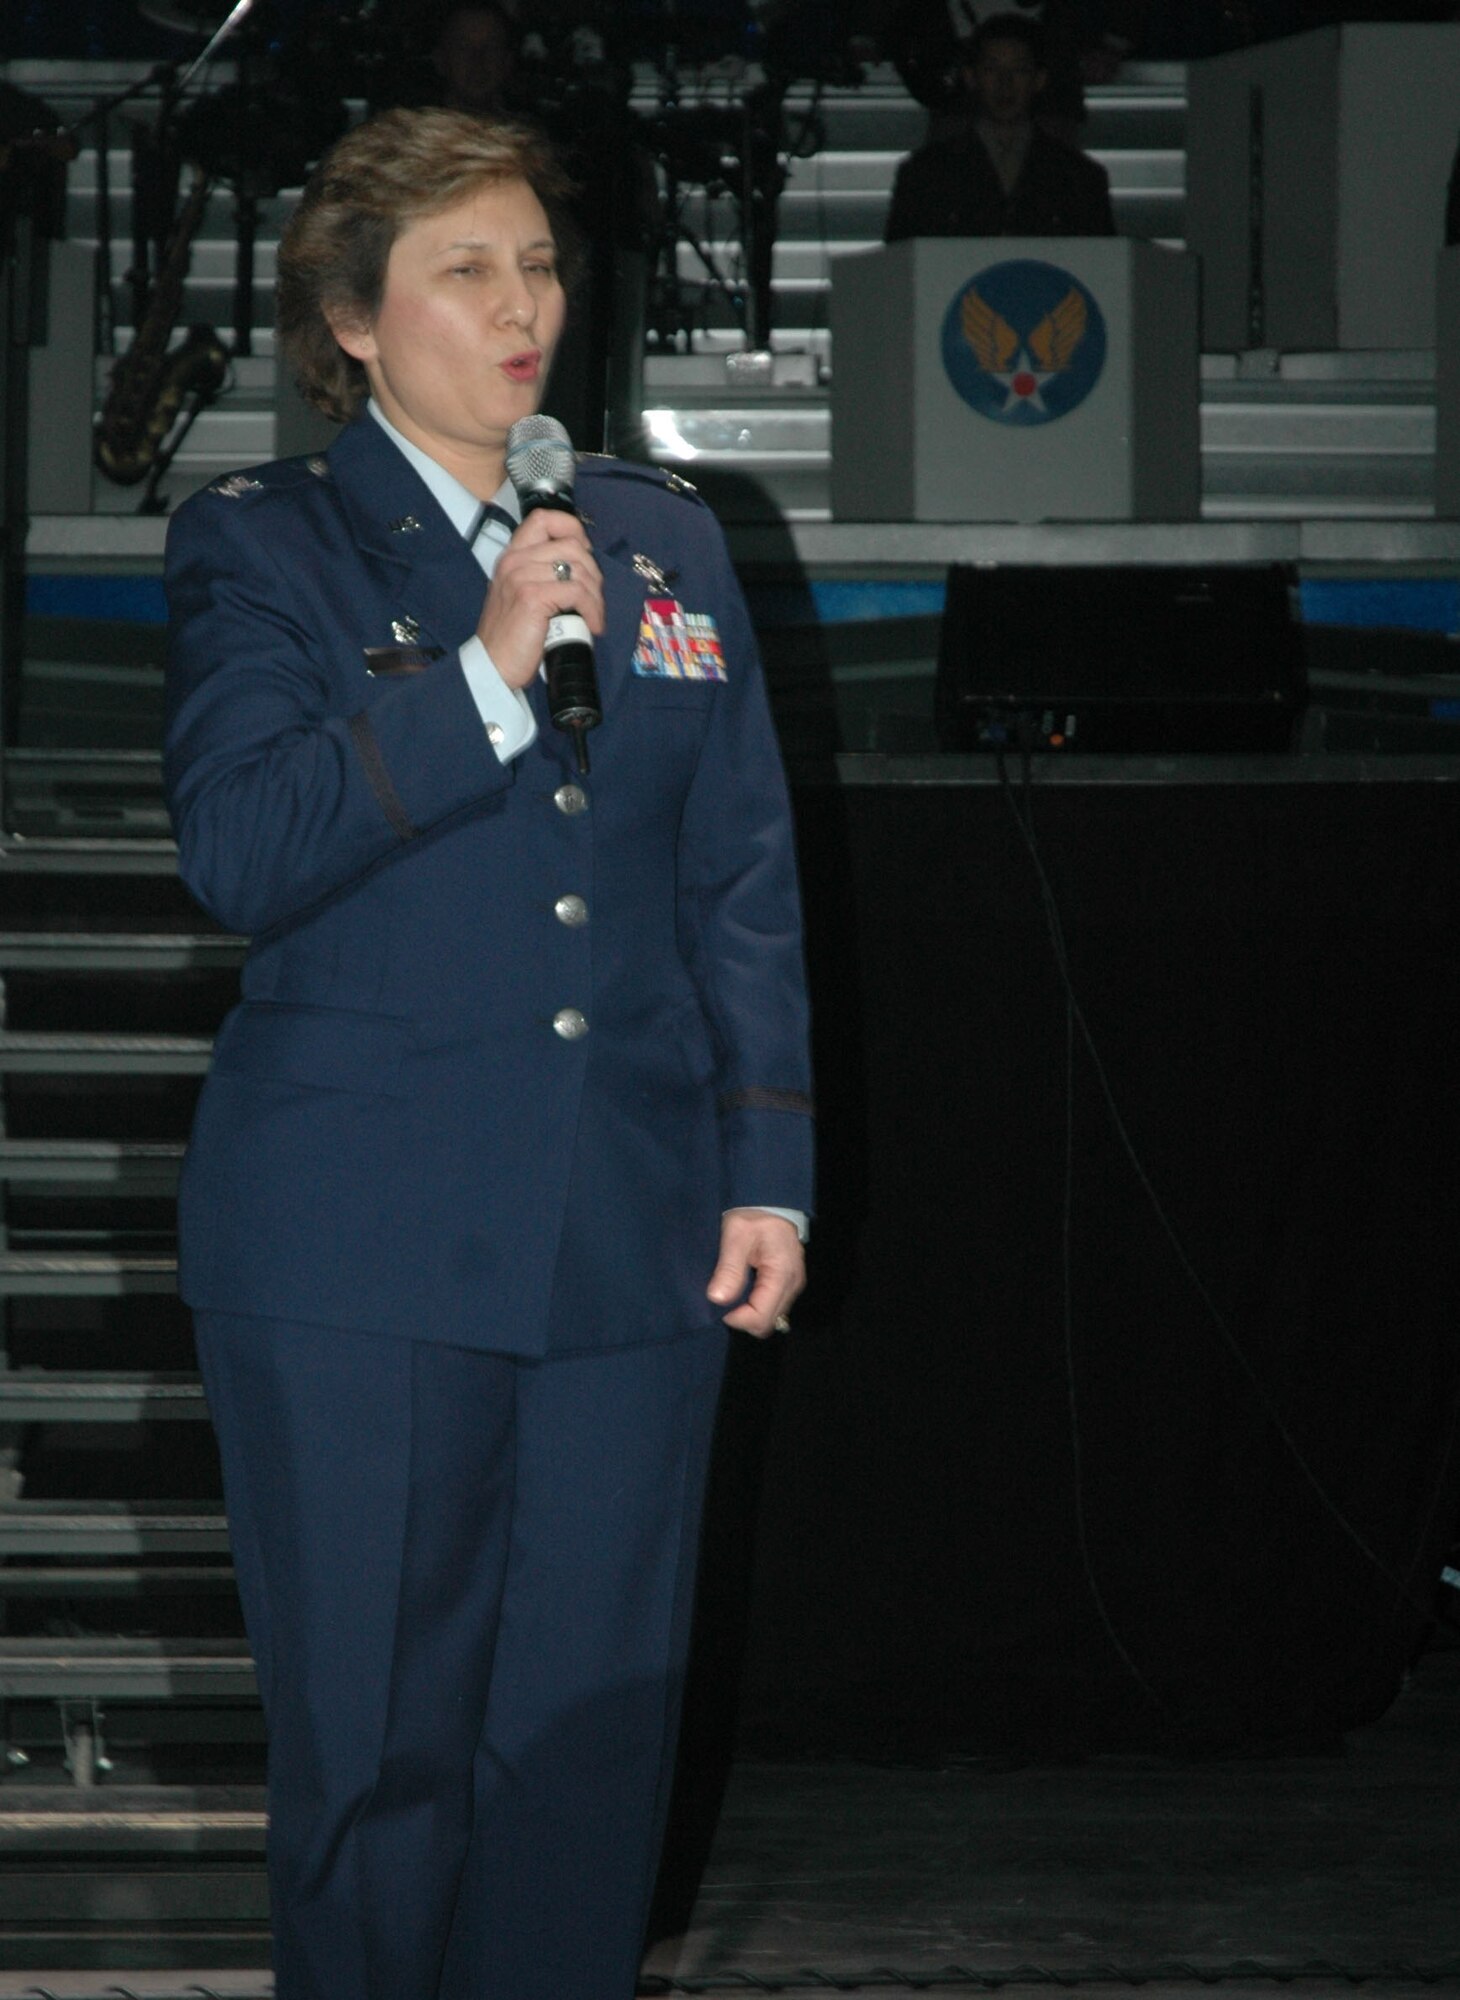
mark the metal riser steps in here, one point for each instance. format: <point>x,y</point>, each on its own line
<point>1268,460</point>
<point>59,951</point>
<point>1374,446</point>
<point>92,861</point>
<point>125,1670</point>
<point>53,1955</point>
<point>110,1528</point>
<point>119,1583</point>
<point>836,198</point>
<point>88,1166</point>
<point>103,1055</point>
<point>83,1108</point>
<point>107,1558</point>
<point>144,1876</point>
<point>828,222</point>
<point>132,1821</point>
<point>95,1275</point>
<point>132,1727</point>
<point>1360,416</point>
<point>1319,445</point>
<point>56,1396</point>
<point>85,793</point>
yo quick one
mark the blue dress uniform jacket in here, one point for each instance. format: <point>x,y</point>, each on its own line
<point>509,1040</point>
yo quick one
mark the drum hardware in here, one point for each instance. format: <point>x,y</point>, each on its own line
<point>739,149</point>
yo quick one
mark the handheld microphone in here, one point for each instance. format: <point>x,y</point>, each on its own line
<point>541,465</point>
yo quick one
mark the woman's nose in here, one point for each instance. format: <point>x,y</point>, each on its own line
<point>518,307</point>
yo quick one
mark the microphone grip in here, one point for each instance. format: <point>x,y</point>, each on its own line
<point>572,684</point>
<point>567,654</point>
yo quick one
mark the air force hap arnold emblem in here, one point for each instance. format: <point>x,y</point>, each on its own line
<point>1024,342</point>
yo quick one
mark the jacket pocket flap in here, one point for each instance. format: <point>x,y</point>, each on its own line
<point>327,1048</point>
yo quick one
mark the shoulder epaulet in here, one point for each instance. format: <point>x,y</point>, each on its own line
<point>276,477</point>
<point>605,466</point>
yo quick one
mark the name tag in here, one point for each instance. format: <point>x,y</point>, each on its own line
<point>678,645</point>
<point>383,661</point>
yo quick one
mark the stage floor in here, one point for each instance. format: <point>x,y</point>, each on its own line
<point>1139,1865</point>
<point>1236,1873</point>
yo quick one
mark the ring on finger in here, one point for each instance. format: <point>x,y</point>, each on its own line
<point>563,571</point>
<point>783,1324</point>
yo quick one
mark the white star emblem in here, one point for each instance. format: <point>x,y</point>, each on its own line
<point>1024,383</point>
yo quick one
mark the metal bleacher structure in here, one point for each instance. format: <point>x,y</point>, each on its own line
<point>131,1820</point>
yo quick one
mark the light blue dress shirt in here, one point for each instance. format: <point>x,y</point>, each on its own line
<point>505,711</point>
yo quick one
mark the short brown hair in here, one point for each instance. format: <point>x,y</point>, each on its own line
<point>370,186</point>
<point>1005,28</point>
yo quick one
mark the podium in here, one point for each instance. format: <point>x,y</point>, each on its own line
<point>1015,379</point>
<point>1317,169</point>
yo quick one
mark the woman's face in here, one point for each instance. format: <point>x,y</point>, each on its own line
<point>469,317</point>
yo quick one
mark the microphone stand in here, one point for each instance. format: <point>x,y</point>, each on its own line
<point>164,73</point>
<point>164,77</point>
<point>234,21</point>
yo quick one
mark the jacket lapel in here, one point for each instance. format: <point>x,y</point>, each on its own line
<point>427,574</point>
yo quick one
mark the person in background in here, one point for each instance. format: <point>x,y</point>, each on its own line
<point>1083,41</point>
<point>475,57</point>
<point>1000,174</point>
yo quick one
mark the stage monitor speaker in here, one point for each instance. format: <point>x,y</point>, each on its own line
<point>1138,659</point>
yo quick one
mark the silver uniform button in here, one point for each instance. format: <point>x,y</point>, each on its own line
<point>570,1024</point>
<point>571,910</point>
<point>570,799</point>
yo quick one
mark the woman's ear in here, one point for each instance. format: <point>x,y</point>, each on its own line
<point>353,335</point>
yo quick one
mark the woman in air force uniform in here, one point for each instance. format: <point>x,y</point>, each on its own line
<point>514,1116</point>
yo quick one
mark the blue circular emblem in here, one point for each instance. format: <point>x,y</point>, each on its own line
<point>1024,342</point>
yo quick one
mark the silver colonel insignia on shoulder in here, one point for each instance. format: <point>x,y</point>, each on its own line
<point>678,484</point>
<point>236,485</point>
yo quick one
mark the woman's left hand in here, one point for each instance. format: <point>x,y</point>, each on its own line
<point>751,1240</point>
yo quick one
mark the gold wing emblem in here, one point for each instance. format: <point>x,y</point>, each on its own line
<point>993,340</point>
<point>1055,339</point>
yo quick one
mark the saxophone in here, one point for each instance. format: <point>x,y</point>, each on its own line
<point>149,383</point>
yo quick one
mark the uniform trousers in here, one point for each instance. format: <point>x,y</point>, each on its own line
<point>467,1579</point>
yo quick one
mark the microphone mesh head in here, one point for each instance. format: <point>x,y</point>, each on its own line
<point>540,456</point>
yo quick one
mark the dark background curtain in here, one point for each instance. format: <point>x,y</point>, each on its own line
<point>1023,1496</point>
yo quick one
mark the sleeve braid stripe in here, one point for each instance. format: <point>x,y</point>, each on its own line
<point>757,1099</point>
<point>368,750</point>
